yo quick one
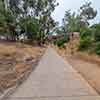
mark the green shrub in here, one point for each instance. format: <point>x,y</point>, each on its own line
<point>85,43</point>
<point>61,42</point>
<point>90,39</point>
<point>97,50</point>
<point>96,32</point>
<point>98,46</point>
<point>85,32</point>
<point>97,35</point>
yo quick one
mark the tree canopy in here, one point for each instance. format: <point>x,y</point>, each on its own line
<point>33,17</point>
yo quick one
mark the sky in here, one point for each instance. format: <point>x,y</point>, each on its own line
<point>74,5</point>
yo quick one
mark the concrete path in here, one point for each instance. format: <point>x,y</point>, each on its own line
<point>54,79</point>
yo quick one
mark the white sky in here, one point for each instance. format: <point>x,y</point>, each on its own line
<point>74,5</point>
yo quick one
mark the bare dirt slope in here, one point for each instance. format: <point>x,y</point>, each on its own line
<point>16,60</point>
<point>86,64</point>
<point>90,71</point>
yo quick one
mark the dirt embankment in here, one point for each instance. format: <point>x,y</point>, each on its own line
<point>89,70</point>
<point>16,60</point>
<point>88,65</point>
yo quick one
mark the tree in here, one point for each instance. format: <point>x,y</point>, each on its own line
<point>39,9</point>
<point>87,12</point>
<point>71,22</point>
<point>7,23</point>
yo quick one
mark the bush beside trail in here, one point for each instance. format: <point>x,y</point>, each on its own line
<point>61,42</point>
<point>90,39</point>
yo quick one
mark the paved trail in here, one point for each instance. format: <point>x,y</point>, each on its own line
<point>54,79</point>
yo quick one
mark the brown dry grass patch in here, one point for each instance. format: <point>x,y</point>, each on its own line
<point>88,65</point>
<point>15,60</point>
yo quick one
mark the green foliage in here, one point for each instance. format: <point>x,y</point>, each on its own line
<point>98,52</point>
<point>85,32</point>
<point>85,43</point>
<point>7,24</point>
<point>97,48</point>
<point>87,11</point>
<point>61,42</point>
<point>90,39</point>
<point>71,22</point>
<point>96,32</point>
<point>35,24</point>
<point>86,38</point>
<point>30,26</point>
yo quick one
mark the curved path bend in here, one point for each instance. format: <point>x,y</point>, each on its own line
<point>54,79</point>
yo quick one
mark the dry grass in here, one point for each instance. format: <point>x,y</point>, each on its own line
<point>15,60</point>
<point>19,49</point>
<point>88,65</point>
<point>71,50</point>
<point>88,57</point>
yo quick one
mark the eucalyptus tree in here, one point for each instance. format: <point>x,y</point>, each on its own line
<point>7,20</point>
<point>71,22</point>
<point>87,12</point>
<point>1,16</point>
<point>33,13</point>
<point>44,9</point>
